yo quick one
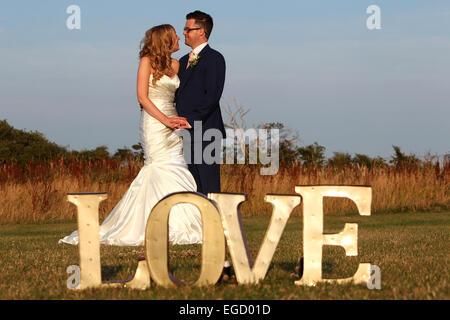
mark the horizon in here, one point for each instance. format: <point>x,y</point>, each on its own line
<point>226,148</point>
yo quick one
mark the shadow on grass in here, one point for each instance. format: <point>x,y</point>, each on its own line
<point>297,267</point>
<point>109,272</point>
<point>285,266</point>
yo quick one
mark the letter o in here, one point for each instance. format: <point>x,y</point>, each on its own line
<point>157,238</point>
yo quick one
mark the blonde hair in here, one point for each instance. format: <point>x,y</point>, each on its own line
<point>157,45</point>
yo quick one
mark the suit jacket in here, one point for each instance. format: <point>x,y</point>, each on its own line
<point>201,86</point>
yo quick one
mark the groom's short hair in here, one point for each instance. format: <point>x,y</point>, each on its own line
<point>203,20</point>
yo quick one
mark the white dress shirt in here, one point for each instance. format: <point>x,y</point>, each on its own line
<point>199,48</point>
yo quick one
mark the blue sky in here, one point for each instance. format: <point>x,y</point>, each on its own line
<point>312,65</point>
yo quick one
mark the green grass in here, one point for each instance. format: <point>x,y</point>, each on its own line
<point>411,249</point>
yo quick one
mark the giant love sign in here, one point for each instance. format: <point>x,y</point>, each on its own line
<point>222,226</point>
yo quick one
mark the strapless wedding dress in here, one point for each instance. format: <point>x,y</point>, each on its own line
<point>164,171</point>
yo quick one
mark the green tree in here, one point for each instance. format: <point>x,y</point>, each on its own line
<point>99,153</point>
<point>314,154</point>
<point>139,151</point>
<point>364,160</point>
<point>340,160</point>
<point>287,141</point>
<point>21,146</point>
<point>124,154</point>
<point>401,160</point>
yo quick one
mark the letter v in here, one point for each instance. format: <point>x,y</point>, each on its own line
<point>229,208</point>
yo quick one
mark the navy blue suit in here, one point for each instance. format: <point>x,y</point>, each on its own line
<point>197,99</point>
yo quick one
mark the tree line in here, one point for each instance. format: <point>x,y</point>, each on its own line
<point>22,147</point>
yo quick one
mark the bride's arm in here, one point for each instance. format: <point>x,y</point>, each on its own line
<point>142,96</point>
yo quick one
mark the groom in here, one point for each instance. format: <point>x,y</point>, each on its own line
<point>202,77</point>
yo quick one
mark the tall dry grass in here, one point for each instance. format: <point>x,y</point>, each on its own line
<point>394,190</point>
<point>37,192</point>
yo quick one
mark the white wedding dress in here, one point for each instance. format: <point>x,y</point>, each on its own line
<point>164,171</point>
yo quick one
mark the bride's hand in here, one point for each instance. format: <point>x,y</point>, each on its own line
<point>185,125</point>
<point>176,123</point>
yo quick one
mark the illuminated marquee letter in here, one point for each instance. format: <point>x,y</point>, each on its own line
<point>314,239</point>
<point>88,235</point>
<point>157,238</point>
<point>89,246</point>
<point>228,204</point>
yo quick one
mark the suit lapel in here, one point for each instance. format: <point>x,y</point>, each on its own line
<point>188,72</point>
<point>182,70</point>
<point>186,75</point>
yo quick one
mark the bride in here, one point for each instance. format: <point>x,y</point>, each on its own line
<point>165,170</point>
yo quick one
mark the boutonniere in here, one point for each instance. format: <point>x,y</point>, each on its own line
<point>194,60</point>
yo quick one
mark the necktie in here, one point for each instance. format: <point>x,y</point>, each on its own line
<point>191,54</point>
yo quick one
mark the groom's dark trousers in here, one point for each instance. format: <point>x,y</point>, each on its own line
<point>197,99</point>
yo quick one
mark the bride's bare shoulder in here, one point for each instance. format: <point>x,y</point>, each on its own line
<point>145,59</point>
<point>175,65</point>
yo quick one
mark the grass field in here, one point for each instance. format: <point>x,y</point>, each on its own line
<point>411,249</point>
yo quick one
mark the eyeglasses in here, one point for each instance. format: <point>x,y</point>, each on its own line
<point>190,29</point>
